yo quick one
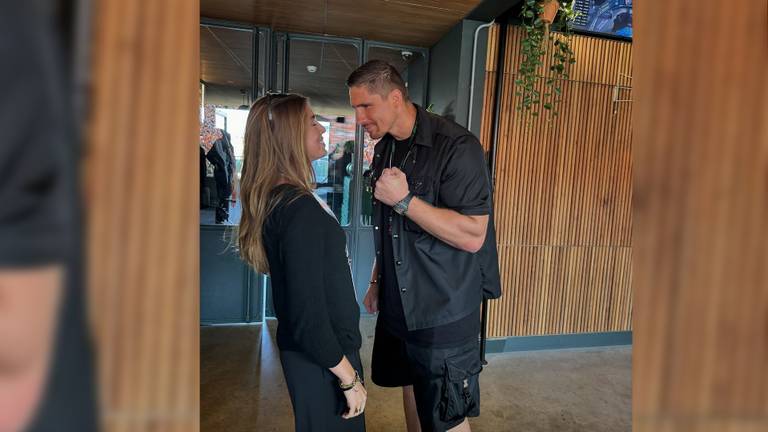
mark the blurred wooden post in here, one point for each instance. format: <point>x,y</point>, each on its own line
<point>142,212</point>
<point>700,212</point>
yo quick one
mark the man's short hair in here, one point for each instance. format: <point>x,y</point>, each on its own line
<point>378,77</point>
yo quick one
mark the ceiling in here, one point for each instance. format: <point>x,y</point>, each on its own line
<point>226,67</point>
<point>226,62</point>
<point>410,22</point>
<point>326,87</point>
<point>226,57</point>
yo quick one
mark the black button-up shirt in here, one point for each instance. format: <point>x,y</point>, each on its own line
<point>446,168</point>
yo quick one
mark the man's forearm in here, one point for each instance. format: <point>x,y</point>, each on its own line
<point>20,393</point>
<point>29,302</point>
<point>460,231</point>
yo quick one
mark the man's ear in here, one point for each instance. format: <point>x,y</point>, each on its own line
<point>396,97</point>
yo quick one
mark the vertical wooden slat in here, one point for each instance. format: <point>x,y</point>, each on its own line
<point>142,213</point>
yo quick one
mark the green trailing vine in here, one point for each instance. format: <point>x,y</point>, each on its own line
<point>542,39</point>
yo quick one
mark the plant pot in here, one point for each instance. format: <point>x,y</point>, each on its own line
<point>550,10</point>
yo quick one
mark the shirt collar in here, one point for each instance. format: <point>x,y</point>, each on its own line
<point>424,128</point>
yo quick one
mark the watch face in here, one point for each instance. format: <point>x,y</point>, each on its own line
<point>401,206</point>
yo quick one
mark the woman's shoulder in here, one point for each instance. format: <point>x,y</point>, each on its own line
<point>294,202</point>
<point>285,191</point>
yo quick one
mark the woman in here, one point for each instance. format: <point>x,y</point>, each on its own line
<point>286,231</point>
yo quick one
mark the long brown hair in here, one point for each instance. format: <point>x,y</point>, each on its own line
<point>275,153</point>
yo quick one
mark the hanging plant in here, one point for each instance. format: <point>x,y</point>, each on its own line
<point>539,17</point>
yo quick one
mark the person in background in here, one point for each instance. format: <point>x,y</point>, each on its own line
<point>221,154</point>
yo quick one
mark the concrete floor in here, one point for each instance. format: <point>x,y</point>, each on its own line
<point>242,387</point>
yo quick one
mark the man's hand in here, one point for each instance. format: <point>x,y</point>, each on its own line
<point>371,300</point>
<point>391,187</point>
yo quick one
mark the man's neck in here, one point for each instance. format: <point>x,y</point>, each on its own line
<point>404,125</point>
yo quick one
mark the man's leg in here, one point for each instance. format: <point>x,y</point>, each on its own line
<point>436,368</point>
<point>463,427</point>
<point>390,368</point>
<point>409,406</point>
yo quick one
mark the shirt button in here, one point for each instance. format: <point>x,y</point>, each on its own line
<point>394,236</point>
<point>376,228</point>
<point>403,289</point>
<point>399,262</point>
<point>378,252</point>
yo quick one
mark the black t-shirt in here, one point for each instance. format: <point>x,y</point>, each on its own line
<point>39,215</point>
<point>390,303</point>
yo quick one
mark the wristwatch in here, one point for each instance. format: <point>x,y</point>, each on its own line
<point>401,207</point>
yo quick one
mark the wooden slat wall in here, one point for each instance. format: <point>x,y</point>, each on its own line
<point>563,190</point>
<point>701,206</point>
<point>142,195</point>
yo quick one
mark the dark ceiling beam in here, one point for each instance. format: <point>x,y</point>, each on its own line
<point>489,10</point>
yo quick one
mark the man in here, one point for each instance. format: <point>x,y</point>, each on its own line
<point>435,252</point>
<point>46,371</point>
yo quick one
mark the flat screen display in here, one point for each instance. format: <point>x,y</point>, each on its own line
<point>608,17</point>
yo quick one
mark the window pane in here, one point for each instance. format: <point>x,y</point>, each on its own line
<point>226,74</point>
<point>319,70</point>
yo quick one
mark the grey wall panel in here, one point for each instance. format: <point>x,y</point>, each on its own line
<point>362,263</point>
<point>444,60</point>
<point>417,86</point>
<point>463,59</point>
<point>451,72</point>
<point>222,279</point>
<point>256,296</point>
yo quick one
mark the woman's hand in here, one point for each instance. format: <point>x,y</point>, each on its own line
<point>356,398</point>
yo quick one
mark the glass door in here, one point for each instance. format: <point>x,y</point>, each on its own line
<point>318,69</point>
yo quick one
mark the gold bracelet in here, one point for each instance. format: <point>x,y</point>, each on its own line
<point>350,386</point>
